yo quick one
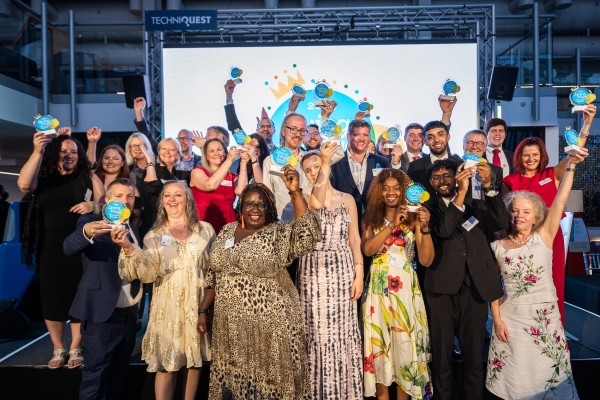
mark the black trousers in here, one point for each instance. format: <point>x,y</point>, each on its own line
<point>463,315</point>
<point>107,348</point>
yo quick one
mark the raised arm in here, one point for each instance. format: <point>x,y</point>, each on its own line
<point>447,106</point>
<point>291,179</point>
<point>205,183</point>
<point>588,118</point>
<point>93,135</point>
<point>28,177</point>
<point>241,181</point>
<point>319,192</point>
<point>233,122</point>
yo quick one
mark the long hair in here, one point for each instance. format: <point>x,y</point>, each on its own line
<point>144,139</point>
<point>530,141</point>
<point>193,224</point>
<point>51,158</point>
<point>204,160</point>
<point>376,209</point>
<point>271,205</point>
<point>263,149</point>
<point>123,172</point>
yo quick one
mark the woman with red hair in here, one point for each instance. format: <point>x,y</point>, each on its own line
<point>533,174</point>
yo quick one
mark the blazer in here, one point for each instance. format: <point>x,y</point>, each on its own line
<point>100,285</point>
<point>404,162</point>
<point>456,248</point>
<point>233,122</point>
<point>341,178</point>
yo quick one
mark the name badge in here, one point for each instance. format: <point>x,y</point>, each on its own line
<point>229,242</point>
<point>396,261</point>
<point>376,171</point>
<point>88,195</point>
<point>226,183</point>
<point>347,218</point>
<point>470,223</point>
<point>165,240</point>
<point>547,180</point>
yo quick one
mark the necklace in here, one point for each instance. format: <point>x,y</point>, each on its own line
<point>177,231</point>
<point>517,242</point>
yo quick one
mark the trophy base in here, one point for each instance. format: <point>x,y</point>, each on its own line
<point>237,81</point>
<point>330,140</point>
<point>578,109</point>
<point>320,103</point>
<point>447,97</point>
<point>413,209</point>
<point>299,96</point>
<point>573,150</point>
<point>240,148</point>
<point>276,170</point>
<point>470,164</point>
<point>50,133</point>
<point>389,145</point>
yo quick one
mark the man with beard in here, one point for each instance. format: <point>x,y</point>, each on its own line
<point>312,139</point>
<point>188,159</point>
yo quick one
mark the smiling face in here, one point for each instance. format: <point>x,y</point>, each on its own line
<point>122,193</point>
<point>293,140</point>
<point>496,136</point>
<point>215,154</point>
<point>530,157</point>
<point>312,139</point>
<point>254,211</point>
<point>266,129</point>
<point>135,147</point>
<point>371,147</point>
<point>256,147</point>
<point>168,153</point>
<point>112,162</point>
<point>437,140</point>
<point>183,137</point>
<point>174,200</point>
<point>414,140</point>
<point>311,167</point>
<point>68,157</point>
<point>443,182</point>
<point>391,192</point>
<point>359,139</point>
<point>475,144</point>
<point>522,216</point>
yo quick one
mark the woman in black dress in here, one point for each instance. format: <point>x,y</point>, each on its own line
<point>59,175</point>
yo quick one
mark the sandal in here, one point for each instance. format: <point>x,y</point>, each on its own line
<point>59,355</point>
<point>75,355</point>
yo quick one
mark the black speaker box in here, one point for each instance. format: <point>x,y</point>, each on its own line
<point>502,85</point>
<point>136,85</point>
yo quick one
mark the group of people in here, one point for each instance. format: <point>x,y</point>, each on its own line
<point>260,272</point>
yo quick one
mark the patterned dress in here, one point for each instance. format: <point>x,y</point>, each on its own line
<point>258,340</point>
<point>536,363</point>
<point>396,335</point>
<point>324,281</point>
<point>172,340</point>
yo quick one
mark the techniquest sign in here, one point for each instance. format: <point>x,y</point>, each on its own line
<point>180,20</point>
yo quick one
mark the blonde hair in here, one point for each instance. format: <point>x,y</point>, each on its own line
<point>144,139</point>
<point>540,209</point>
<point>191,216</point>
<point>165,140</point>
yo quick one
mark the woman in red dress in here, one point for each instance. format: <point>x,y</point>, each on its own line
<point>214,186</point>
<point>533,174</point>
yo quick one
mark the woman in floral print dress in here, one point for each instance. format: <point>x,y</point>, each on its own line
<point>529,355</point>
<point>396,335</point>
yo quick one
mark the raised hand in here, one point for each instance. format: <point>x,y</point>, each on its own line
<point>400,215</point>
<point>294,102</point>
<point>447,105</point>
<point>198,139</point>
<point>291,178</point>
<point>233,153</point>
<point>485,173</point>
<point>244,156</point>
<point>463,177</point>
<point>229,88</point>
<point>94,134</point>
<point>423,217</point>
<point>580,157</point>
<point>360,115</point>
<point>588,114</point>
<point>139,103</point>
<point>96,228</point>
<point>396,154</point>
<point>40,141</point>
<point>328,149</point>
<point>251,152</point>
<point>65,130</point>
<point>327,108</point>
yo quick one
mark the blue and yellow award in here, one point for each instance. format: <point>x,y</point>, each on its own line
<point>330,130</point>
<point>573,141</point>
<point>46,124</point>
<point>322,92</point>
<point>299,91</point>
<point>366,107</point>
<point>393,135</point>
<point>472,159</point>
<point>580,98</point>
<point>281,157</point>
<point>415,194</point>
<point>450,88</point>
<point>241,138</point>
<point>235,74</point>
<point>115,213</point>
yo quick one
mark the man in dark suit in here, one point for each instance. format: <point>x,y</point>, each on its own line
<point>355,171</point>
<point>475,142</point>
<point>414,139</point>
<point>105,304</point>
<point>463,277</point>
<point>495,129</point>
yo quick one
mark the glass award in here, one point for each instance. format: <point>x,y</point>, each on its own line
<point>241,138</point>
<point>322,92</point>
<point>450,88</point>
<point>330,130</point>
<point>115,213</point>
<point>393,135</point>
<point>46,124</point>
<point>472,159</point>
<point>580,98</point>
<point>573,141</point>
<point>366,107</point>
<point>235,74</point>
<point>281,157</point>
<point>299,91</point>
<point>415,194</point>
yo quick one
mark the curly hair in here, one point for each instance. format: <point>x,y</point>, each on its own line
<point>539,207</point>
<point>123,172</point>
<point>51,158</point>
<point>271,207</point>
<point>376,210</point>
<point>193,223</point>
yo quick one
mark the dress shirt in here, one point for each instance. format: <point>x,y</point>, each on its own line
<point>359,171</point>
<point>461,208</point>
<point>434,158</point>
<point>489,152</point>
<point>411,156</point>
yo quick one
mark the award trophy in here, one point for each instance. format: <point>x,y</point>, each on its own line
<point>115,213</point>
<point>281,157</point>
<point>365,107</point>
<point>580,98</point>
<point>235,75</point>
<point>241,139</point>
<point>416,193</point>
<point>46,124</point>
<point>573,141</point>
<point>450,89</point>
<point>322,92</point>
<point>299,91</point>
<point>392,134</point>
<point>471,159</point>
<point>330,130</point>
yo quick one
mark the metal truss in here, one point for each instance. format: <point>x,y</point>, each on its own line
<point>443,23</point>
<point>153,46</point>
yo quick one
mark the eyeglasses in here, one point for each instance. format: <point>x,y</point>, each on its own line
<point>437,178</point>
<point>136,146</point>
<point>316,133</point>
<point>265,127</point>
<point>478,144</point>
<point>296,131</point>
<point>249,206</point>
<point>183,139</point>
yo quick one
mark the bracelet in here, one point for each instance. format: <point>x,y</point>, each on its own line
<point>203,311</point>
<point>150,164</point>
<point>569,169</point>
<point>583,135</point>
<point>498,324</point>
<point>428,232</point>
<point>254,162</point>
<point>358,263</point>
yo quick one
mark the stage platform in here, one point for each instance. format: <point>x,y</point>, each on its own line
<point>24,375</point>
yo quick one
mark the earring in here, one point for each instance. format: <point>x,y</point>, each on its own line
<point>243,224</point>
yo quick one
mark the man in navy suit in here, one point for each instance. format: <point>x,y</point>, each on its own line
<point>105,304</point>
<point>354,173</point>
<point>495,129</point>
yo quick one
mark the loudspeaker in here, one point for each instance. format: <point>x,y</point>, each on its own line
<point>136,85</point>
<point>502,85</point>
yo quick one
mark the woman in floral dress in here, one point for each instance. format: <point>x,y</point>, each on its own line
<point>396,335</point>
<point>529,355</point>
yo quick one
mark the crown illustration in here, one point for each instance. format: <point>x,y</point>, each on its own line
<point>285,89</point>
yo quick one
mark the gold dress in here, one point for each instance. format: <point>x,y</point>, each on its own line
<point>172,340</point>
<point>259,346</point>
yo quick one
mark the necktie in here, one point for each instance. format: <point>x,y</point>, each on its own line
<point>415,158</point>
<point>496,160</point>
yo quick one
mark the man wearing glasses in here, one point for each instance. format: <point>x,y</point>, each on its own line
<point>312,139</point>
<point>475,142</point>
<point>188,159</point>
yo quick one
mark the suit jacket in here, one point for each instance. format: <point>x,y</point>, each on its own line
<point>233,122</point>
<point>341,178</point>
<point>100,284</point>
<point>417,168</point>
<point>404,162</point>
<point>456,248</point>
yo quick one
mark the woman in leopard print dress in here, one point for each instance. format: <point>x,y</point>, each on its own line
<point>258,345</point>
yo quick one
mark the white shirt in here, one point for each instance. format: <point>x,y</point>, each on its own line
<point>359,171</point>
<point>462,208</point>
<point>411,156</point>
<point>434,158</point>
<point>489,152</point>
